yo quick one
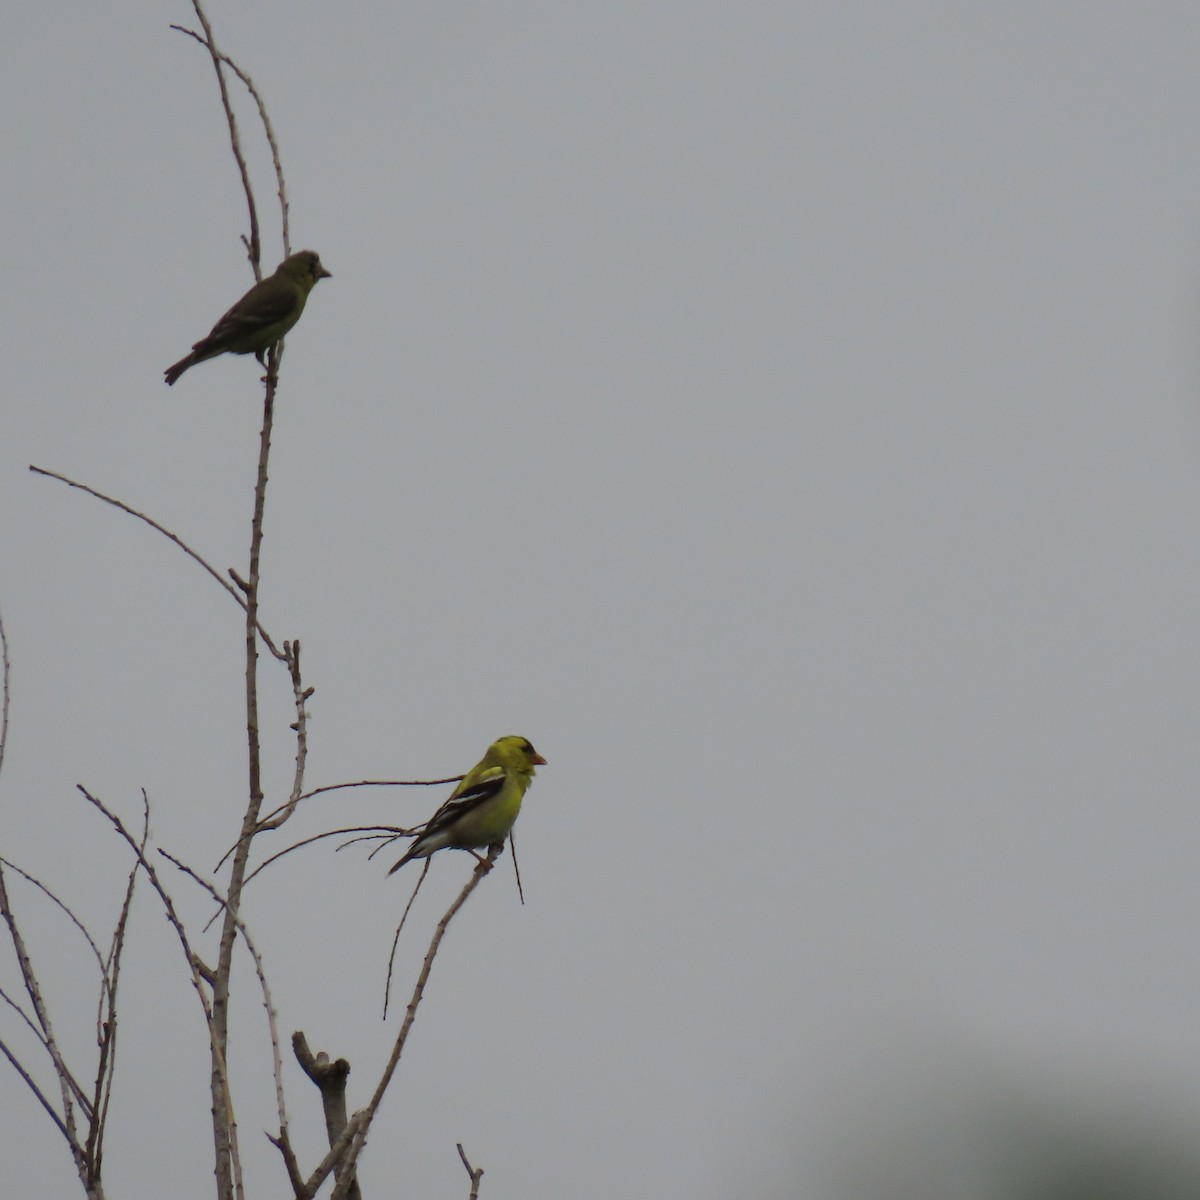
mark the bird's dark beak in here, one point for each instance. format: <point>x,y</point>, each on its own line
<point>538,760</point>
<point>324,274</point>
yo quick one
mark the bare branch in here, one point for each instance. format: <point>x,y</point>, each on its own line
<point>291,1166</point>
<point>69,1088</point>
<point>385,837</point>
<point>6,670</point>
<point>333,787</point>
<point>171,537</point>
<point>96,1105</point>
<point>476,1173</point>
<point>254,243</point>
<point>68,1085</point>
<point>224,1128</point>
<point>387,986</point>
<point>334,1156</point>
<point>347,1186</point>
<point>224,1131</point>
<point>354,1135</point>
<point>330,1078</point>
<point>89,1160</point>
<point>389,833</point>
<point>268,130</point>
<point>512,842</point>
<point>386,832</point>
<point>29,1021</point>
<point>31,1084</point>
<point>41,1040</point>
<point>427,966</point>
<point>300,695</point>
<point>156,883</point>
<point>268,1003</point>
<point>280,183</point>
<point>224,1096</point>
<point>106,1016</point>
<point>37,883</point>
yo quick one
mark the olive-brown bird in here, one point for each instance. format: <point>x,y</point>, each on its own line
<point>262,316</point>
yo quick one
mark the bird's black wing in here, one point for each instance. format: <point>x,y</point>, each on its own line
<point>465,802</point>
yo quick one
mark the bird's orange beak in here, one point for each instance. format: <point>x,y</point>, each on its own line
<point>538,760</point>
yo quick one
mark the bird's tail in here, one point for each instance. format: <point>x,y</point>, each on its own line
<point>174,371</point>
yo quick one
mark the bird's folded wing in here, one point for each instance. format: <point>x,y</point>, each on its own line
<point>256,311</point>
<point>467,801</point>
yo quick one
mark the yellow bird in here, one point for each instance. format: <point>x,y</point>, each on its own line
<point>481,811</point>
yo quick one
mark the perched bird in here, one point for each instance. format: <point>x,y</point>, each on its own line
<point>484,806</point>
<point>262,316</point>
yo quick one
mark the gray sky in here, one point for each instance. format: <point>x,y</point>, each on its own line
<point>786,416</point>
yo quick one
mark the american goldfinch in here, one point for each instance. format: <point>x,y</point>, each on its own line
<point>484,806</point>
<point>262,316</point>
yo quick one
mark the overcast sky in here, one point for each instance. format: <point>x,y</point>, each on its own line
<point>786,416</point>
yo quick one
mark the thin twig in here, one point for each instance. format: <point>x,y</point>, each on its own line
<point>418,992</point>
<point>386,832</point>
<point>267,129</point>
<point>385,837</point>
<point>106,1016</point>
<point>40,1096</point>
<point>333,787</point>
<point>41,1040</point>
<point>37,1033</point>
<point>387,986</point>
<point>68,1086</point>
<point>300,695</point>
<point>512,843</point>
<point>358,1125</point>
<point>4,704</point>
<point>254,242</point>
<point>171,537</point>
<point>270,821</point>
<point>280,183</point>
<point>194,963</point>
<point>268,1003</point>
<point>58,902</point>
